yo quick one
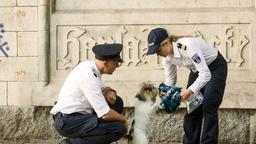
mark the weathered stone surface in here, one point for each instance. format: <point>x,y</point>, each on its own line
<point>28,44</point>
<point>234,126</point>
<point>151,4</point>
<point>3,93</point>
<point>252,127</point>
<point>167,128</point>
<point>43,2</point>
<point>19,69</point>
<point>8,3</point>
<point>11,47</point>
<point>19,93</point>
<point>33,141</point>
<point>27,18</point>
<point>218,22</point>
<point>26,123</point>
<point>31,125</point>
<point>19,18</point>
<point>27,2</point>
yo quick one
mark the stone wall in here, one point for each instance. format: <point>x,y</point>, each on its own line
<point>76,26</point>
<point>25,25</point>
<point>47,38</point>
<point>34,125</point>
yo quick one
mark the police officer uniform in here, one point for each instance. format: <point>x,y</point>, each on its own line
<point>208,75</point>
<point>81,103</point>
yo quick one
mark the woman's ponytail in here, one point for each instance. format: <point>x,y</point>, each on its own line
<point>175,38</point>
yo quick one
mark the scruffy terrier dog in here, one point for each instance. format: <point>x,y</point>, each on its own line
<point>145,107</point>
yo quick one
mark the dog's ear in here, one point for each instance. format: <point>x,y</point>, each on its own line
<point>140,97</point>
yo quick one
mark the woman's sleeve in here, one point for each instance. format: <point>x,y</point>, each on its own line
<point>204,75</point>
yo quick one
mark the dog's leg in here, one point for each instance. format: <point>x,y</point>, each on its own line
<point>156,107</point>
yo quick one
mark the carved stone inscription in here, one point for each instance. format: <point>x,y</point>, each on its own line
<point>74,43</point>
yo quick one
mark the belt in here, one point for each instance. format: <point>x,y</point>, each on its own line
<point>60,114</point>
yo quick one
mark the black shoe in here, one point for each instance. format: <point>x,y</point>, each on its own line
<point>65,141</point>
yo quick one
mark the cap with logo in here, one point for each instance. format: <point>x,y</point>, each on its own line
<point>155,38</point>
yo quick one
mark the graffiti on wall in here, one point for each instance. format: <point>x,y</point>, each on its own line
<point>3,43</point>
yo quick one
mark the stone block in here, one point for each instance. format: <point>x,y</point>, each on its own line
<point>27,18</point>
<point>8,18</point>
<point>8,3</point>
<point>3,93</point>
<point>19,93</point>
<point>28,44</point>
<point>19,69</point>
<point>27,2</point>
<point>43,2</point>
<point>19,18</point>
<point>11,47</point>
<point>239,95</point>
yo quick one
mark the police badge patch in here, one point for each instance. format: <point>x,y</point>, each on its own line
<point>196,58</point>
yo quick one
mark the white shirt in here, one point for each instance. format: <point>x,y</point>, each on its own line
<point>82,92</point>
<point>197,56</point>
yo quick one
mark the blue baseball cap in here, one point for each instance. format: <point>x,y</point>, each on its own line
<point>155,38</point>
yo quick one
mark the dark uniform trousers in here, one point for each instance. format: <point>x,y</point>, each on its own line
<point>205,117</point>
<point>88,129</point>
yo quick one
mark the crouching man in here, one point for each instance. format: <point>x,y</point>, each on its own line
<point>88,112</point>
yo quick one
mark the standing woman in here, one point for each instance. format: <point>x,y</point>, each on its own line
<point>208,72</point>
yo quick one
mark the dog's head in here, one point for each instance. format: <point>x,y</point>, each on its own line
<point>148,92</point>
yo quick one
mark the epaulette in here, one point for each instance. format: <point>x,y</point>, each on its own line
<point>182,46</point>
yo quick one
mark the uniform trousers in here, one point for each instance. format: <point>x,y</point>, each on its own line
<point>201,126</point>
<point>88,129</point>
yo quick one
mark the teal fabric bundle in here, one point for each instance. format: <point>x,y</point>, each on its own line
<point>171,100</point>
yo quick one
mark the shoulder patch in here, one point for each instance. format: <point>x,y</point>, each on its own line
<point>196,58</point>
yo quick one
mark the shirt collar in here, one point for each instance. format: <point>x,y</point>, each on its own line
<point>176,52</point>
<point>95,70</point>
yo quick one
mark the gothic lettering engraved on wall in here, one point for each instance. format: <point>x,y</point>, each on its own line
<point>231,44</point>
<point>74,43</point>
<point>68,47</point>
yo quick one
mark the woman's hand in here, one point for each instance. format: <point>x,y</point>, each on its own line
<point>161,93</point>
<point>185,94</point>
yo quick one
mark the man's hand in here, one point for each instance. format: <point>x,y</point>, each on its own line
<point>110,95</point>
<point>185,94</point>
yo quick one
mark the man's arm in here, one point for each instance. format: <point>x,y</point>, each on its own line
<point>113,115</point>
